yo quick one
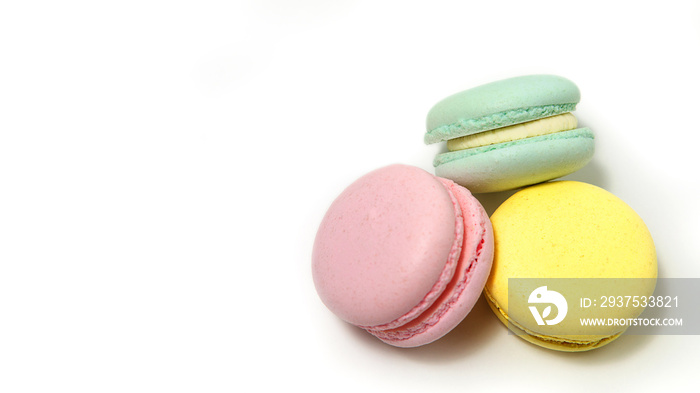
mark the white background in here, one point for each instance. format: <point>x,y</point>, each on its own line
<point>164,166</point>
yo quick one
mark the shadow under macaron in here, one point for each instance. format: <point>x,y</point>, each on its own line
<point>492,200</point>
<point>471,336</point>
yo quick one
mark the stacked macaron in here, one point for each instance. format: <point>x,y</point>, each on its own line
<point>405,255</point>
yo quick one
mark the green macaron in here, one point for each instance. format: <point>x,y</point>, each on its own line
<point>510,133</point>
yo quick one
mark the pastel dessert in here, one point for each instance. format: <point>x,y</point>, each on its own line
<point>568,229</point>
<point>403,254</point>
<point>510,133</point>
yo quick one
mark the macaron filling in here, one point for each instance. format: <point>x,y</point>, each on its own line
<point>450,156</point>
<point>469,253</point>
<point>468,126</point>
<point>548,125</point>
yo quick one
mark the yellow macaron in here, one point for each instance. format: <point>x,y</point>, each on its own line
<point>568,230</point>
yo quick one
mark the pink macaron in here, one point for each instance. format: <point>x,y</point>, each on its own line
<point>403,254</point>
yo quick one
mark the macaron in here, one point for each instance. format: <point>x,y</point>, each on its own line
<point>576,232</point>
<point>403,254</point>
<point>510,133</point>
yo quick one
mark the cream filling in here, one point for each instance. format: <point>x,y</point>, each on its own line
<point>548,125</point>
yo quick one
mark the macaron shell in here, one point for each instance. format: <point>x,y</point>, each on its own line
<point>499,104</point>
<point>514,164</point>
<point>383,245</point>
<point>567,229</point>
<point>466,286</point>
